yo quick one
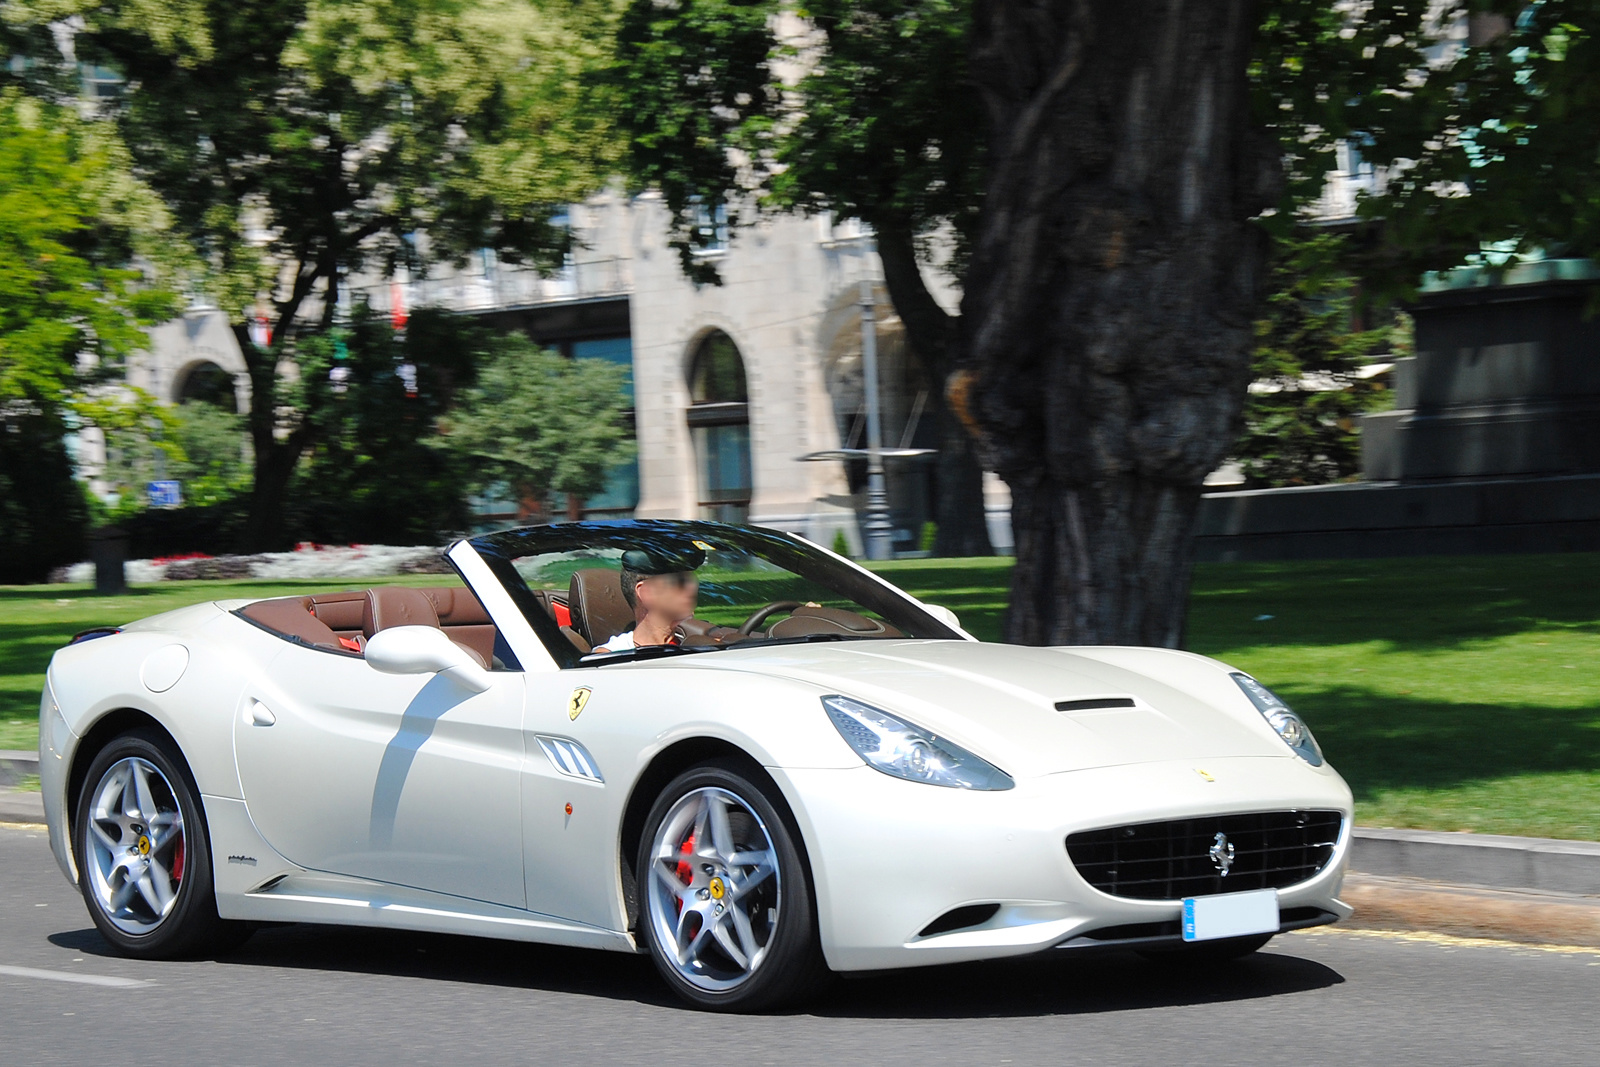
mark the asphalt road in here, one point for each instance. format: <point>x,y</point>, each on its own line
<point>324,995</point>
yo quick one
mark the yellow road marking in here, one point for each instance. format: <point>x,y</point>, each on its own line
<point>23,826</point>
<point>1450,940</point>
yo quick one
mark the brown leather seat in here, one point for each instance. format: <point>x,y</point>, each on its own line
<point>464,619</point>
<point>291,616</point>
<point>594,596</point>
<point>398,605</point>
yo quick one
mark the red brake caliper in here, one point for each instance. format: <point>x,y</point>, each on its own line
<point>177,861</point>
<point>685,868</point>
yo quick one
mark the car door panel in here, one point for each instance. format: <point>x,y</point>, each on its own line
<point>407,779</point>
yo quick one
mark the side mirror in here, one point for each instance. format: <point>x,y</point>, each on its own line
<point>425,650</point>
<point>940,612</point>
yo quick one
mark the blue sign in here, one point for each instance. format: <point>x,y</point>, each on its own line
<point>165,494</point>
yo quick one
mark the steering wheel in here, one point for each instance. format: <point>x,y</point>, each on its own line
<point>760,615</point>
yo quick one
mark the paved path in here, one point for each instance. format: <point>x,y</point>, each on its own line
<point>315,995</point>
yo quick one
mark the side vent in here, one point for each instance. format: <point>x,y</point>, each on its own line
<point>570,758</point>
<point>960,918</point>
<point>1095,704</point>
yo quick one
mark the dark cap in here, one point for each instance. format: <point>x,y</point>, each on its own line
<point>663,559</point>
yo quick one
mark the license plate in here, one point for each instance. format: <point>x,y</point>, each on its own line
<point>1230,915</point>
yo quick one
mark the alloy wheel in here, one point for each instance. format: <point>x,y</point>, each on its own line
<point>714,888</point>
<point>135,846</point>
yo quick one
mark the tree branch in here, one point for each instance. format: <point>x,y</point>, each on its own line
<point>930,329</point>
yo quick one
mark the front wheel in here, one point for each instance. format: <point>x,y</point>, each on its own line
<point>725,896</point>
<point>144,861</point>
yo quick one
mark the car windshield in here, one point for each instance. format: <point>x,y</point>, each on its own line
<point>756,587</point>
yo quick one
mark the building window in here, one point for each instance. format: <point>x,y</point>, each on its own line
<point>719,422</point>
<point>620,496</point>
<point>710,228</point>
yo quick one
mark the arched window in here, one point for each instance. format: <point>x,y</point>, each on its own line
<point>209,384</point>
<point>719,422</point>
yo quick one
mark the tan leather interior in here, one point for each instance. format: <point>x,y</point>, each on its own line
<point>594,595</point>
<point>322,619</point>
<point>821,620</point>
<point>292,617</point>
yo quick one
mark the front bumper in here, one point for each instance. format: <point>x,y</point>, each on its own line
<point>57,743</point>
<point>888,857</point>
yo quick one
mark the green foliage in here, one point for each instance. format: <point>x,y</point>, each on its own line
<point>1300,416</point>
<point>298,142</point>
<point>43,514</point>
<point>69,226</point>
<point>540,423</point>
<point>873,119</point>
<point>141,441</point>
<point>929,536</point>
<point>372,475</point>
<point>214,466</point>
<point>841,543</point>
<point>1515,125</point>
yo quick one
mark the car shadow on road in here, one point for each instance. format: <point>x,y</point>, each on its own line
<point>1031,986</point>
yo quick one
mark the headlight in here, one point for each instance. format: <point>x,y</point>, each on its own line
<point>902,750</point>
<point>1290,726</point>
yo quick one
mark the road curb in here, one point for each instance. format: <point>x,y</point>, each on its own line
<point>21,806</point>
<point>1540,863</point>
<point>1545,918</point>
<point>17,764</point>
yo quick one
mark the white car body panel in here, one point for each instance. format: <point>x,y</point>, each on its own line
<point>409,801</point>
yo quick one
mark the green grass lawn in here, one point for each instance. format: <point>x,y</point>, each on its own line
<point>1453,693</point>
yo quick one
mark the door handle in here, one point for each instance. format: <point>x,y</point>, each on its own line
<point>259,714</point>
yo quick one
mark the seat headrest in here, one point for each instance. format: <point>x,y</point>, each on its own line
<point>396,605</point>
<point>594,596</point>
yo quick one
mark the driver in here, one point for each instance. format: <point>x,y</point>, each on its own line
<point>660,586</point>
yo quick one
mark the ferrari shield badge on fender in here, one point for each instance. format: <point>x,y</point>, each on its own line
<point>578,701</point>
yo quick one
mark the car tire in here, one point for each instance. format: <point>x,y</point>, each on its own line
<point>1208,952</point>
<point>146,875</point>
<point>726,906</point>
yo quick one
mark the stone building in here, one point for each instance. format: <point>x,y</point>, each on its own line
<point>734,385</point>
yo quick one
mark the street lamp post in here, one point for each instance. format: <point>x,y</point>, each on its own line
<point>880,531</point>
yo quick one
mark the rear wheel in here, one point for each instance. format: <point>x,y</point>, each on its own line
<point>144,860</point>
<point>725,897</point>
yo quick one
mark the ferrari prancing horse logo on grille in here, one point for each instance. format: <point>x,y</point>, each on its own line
<point>1221,854</point>
<point>578,701</point>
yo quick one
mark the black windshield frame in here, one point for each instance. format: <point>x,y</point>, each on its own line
<point>500,551</point>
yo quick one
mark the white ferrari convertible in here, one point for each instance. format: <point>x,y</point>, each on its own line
<point>813,773</point>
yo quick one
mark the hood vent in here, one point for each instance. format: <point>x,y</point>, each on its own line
<point>1095,704</point>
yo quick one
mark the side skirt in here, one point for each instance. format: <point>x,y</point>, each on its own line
<point>255,883</point>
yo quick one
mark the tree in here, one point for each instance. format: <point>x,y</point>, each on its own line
<point>299,142</point>
<point>1106,177</point>
<point>374,473</point>
<point>71,304</point>
<point>540,423</point>
<point>1307,392</point>
<point>1507,165</point>
<point>875,125</point>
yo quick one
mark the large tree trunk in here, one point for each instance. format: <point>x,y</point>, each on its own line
<point>274,456</point>
<point>273,468</point>
<point>1108,307</point>
<point>933,335</point>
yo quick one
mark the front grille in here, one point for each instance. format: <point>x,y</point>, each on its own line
<point>1172,860</point>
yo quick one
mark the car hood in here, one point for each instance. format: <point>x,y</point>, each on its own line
<point>1001,701</point>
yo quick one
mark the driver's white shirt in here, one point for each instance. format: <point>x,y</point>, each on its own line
<point>619,642</point>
